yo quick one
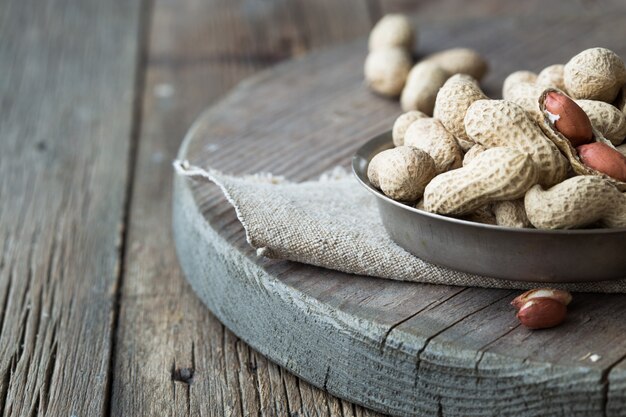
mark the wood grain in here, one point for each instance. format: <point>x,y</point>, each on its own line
<point>67,91</point>
<point>406,349</point>
<point>172,356</point>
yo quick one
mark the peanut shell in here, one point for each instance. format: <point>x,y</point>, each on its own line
<point>402,123</point>
<point>576,202</point>
<point>552,76</point>
<point>483,215</point>
<point>496,123</point>
<point>606,118</point>
<point>595,74</point>
<point>472,153</point>
<point>517,77</point>
<point>525,95</point>
<point>401,173</point>
<point>386,70</point>
<point>422,85</point>
<point>453,100</point>
<point>393,31</point>
<point>430,136</point>
<point>495,175</point>
<point>566,147</point>
<point>460,61</point>
<point>511,213</point>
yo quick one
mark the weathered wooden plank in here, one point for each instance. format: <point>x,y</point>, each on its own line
<point>198,50</point>
<point>422,353</point>
<point>66,93</point>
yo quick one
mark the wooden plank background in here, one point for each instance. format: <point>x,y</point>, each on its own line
<point>95,96</point>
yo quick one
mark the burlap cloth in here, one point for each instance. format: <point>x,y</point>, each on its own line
<point>334,223</point>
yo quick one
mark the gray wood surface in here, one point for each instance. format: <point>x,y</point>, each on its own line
<point>405,349</point>
<point>96,318</point>
<point>198,51</point>
<point>67,87</point>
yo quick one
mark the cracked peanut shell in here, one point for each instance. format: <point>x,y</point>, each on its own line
<point>565,146</point>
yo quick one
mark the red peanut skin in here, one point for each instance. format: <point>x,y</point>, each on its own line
<point>542,313</point>
<point>603,158</point>
<point>573,122</point>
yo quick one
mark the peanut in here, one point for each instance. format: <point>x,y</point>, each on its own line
<point>495,175</point>
<point>422,85</point>
<point>430,136</point>
<point>453,100</point>
<point>402,123</point>
<point>496,123</point>
<point>386,70</point>
<point>517,77</point>
<point>552,76</point>
<point>401,173</point>
<point>603,158</point>
<point>595,74</point>
<point>392,31</point>
<point>565,146</point>
<point>525,95</point>
<point>472,153</point>
<point>542,313</point>
<point>606,118</point>
<point>562,296</point>
<point>483,215</point>
<point>568,118</point>
<point>511,213</point>
<point>576,202</point>
<point>460,61</point>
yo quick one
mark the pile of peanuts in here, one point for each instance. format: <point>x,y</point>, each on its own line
<point>550,155</point>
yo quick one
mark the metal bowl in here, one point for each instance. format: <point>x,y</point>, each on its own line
<point>495,251</point>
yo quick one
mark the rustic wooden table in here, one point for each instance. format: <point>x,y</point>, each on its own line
<point>95,96</point>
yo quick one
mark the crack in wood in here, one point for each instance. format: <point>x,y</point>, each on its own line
<point>605,382</point>
<point>430,338</point>
<point>425,308</point>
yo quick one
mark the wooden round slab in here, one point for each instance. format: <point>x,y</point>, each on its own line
<point>401,348</point>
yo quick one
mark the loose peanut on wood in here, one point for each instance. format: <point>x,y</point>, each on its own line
<point>595,74</point>
<point>453,100</point>
<point>576,202</point>
<point>460,61</point>
<point>402,172</point>
<point>402,123</point>
<point>552,76</point>
<point>386,70</point>
<point>511,213</point>
<point>603,158</point>
<point>606,118</point>
<point>422,85</point>
<point>496,123</point>
<point>430,136</point>
<point>495,175</point>
<point>393,31</point>
<point>542,313</point>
